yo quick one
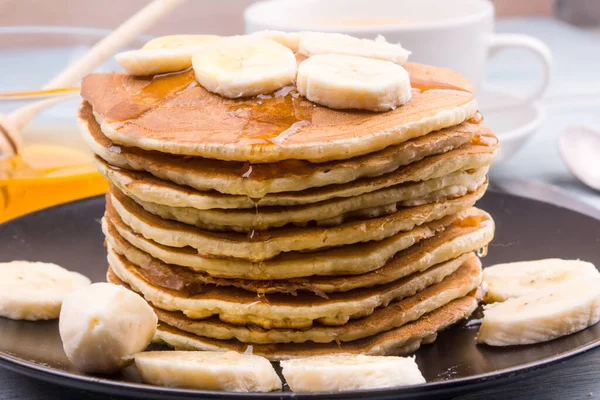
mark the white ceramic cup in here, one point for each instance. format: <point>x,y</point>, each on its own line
<point>458,34</point>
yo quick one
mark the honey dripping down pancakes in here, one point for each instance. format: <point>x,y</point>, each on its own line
<point>301,197</point>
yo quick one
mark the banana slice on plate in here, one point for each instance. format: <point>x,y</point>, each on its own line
<point>313,43</point>
<point>243,66</point>
<point>35,290</point>
<point>342,372</point>
<point>103,325</point>
<point>543,315</point>
<point>510,280</point>
<point>288,39</point>
<point>208,370</point>
<point>349,82</point>
<point>163,54</point>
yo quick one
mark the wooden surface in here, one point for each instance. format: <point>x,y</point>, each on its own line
<point>575,379</point>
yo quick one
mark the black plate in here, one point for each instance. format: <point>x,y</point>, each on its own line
<point>70,235</point>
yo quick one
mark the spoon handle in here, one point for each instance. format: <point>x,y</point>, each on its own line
<point>546,193</point>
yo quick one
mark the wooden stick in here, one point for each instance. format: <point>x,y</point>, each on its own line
<point>33,94</point>
<point>118,38</point>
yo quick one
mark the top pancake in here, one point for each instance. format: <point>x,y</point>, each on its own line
<point>173,114</point>
<point>257,180</point>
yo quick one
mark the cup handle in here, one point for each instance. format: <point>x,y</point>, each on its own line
<point>498,42</point>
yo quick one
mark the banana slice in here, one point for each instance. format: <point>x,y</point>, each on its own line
<point>154,61</point>
<point>344,82</point>
<point>35,290</point>
<point>103,325</point>
<point>208,370</point>
<point>163,54</point>
<point>543,315</point>
<point>337,373</point>
<point>180,41</point>
<point>313,43</point>
<point>244,66</point>
<point>291,40</point>
<point>506,281</point>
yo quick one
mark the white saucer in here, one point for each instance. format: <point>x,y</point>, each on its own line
<point>512,121</point>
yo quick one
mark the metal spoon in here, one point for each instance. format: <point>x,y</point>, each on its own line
<point>580,149</point>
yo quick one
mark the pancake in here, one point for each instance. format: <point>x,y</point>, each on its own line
<point>277,310</point>
<point>256,180</point>
<point>396,342</point>
<point>172,114</point>
<point>432,169</point>
<point>393,315</point>
<point>345,260</point>
<point>183,279</point>
<point>458,284</point>
<point>326,213</point>
<point>191,283</point>
<point>264,245</point>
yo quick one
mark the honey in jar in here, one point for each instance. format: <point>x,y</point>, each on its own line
<point>46,174</point>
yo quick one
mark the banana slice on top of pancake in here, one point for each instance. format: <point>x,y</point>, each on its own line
<point>291,40</point>
<point>346,82</point>
<point>242,66</point>
<point>163,54</point>
<point>180,41</point>
<point>35,290</point>
<point>313,43</point>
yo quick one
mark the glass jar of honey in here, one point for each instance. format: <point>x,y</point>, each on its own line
<point>48,172</point>
<point>54,165</point>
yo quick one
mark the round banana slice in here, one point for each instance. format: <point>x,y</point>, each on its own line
<point>337,373</point>
<point>313,43</point>
<point>208,370</point>
<point>154,61</point>
<point>543,315</point>
<point>103,325</point>
<point>243,66</point>
<point>349,82</point>
<point>510,280</point>
<point>35,290</point>
<point>180,41</point>
<point>291,40</point>
<point>163,54</point>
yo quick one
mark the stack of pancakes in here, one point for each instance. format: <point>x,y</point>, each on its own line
<point>276,223</point>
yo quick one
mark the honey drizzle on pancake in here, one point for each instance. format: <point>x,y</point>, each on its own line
<point>472,221</point>
<point>158,89</point>
<point>425,85</point>
<point>481,140</point>
<point>476,119</point>
<point>271,119</point>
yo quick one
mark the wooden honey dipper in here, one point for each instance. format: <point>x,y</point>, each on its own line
<point>56,89</point>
